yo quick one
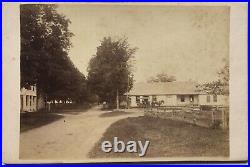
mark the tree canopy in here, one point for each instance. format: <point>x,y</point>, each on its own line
<point>162,77</point>
<point>109,70</point>
<point>220,86</point>
<point>45,42</point>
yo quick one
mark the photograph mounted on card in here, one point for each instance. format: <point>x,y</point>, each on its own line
<point>114,82</point>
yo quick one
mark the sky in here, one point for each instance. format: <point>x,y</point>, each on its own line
<point>189,42</point>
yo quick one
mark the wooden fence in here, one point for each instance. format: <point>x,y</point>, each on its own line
<point>211,119</point>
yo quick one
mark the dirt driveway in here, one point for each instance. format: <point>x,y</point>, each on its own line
<point>70,138</point>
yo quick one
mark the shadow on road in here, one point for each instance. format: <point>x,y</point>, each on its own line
<point>31,120</point>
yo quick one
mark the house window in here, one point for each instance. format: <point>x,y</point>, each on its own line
<point>215,98</point>
<point>208,98</point>
<point>27,100</point>
<point>182,98</point>
<point>137,99</point>
<point>30,100</point>
<point>191,98</point>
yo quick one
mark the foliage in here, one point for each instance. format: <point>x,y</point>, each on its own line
<point>45,41</point>
<point>109,70</point>
<point>162,77</point>
<point>221,86</point>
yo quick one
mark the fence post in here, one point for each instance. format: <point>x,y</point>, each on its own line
<point>212,117</point>
<point>194,117</point>
<point>223,119</point>
<point>49,107</point>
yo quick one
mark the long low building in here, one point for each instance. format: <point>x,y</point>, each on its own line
<point>173,94</point>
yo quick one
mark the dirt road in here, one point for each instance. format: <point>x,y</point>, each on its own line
<point>70,138</point>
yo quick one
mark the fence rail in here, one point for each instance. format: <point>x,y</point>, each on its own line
<point>218,118</point>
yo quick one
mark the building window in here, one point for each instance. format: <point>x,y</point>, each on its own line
<point>182,98</point>
<point>191,98</point>
<point>137,99</point>
<point>27,100</point>
<point>30,100</point>
<point>208,98</point>
<point>215,98</point>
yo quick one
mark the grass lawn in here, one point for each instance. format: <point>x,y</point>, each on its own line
<point>167,138</point>
<point>31,120</point>
<point>114,113</point>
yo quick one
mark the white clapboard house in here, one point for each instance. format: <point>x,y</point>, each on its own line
<point>173,94</point>
<point>29,101</point>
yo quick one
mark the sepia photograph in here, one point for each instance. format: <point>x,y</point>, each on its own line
<point>124,82</point>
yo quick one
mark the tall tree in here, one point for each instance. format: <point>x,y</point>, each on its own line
<point>109,71</point>
<point>162,77</point>
<point>45,42</point>
<point>221,85</point>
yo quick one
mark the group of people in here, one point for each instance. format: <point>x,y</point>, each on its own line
<point>146,103</point>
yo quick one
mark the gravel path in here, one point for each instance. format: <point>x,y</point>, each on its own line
<point>70,138</point>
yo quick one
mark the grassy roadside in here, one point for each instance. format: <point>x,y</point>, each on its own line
<point>167,138</point>
<point>114,113</point>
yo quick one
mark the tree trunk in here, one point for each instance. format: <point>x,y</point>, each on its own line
<point>117,99</point>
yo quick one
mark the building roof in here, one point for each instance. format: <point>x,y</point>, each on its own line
<point>167,88</point>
